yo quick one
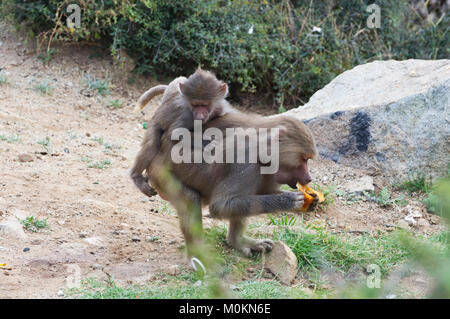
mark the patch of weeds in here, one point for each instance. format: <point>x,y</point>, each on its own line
<point>328,193</point>
<point>167,210</point>
<point>44,87</point>
<point>115,104</point>
<point>433,203</point>
<point>401,201</point>
<point>34,224</point>
<point>281,109</point>
<point>46,57</point>
<point>3,79</point>
<point>99,140</point>
<point>153,239</point>
<point>10,138</point>
<point>417,183</point>
<point>100,165</point>
<point>282,220</point>
<point>323,250</point>
<point>86,160</point>
<point>267,290</point>
<point>384,198</point>
<point>347,198</point>
<point>101,87</point>
<point>94,289</point>
<point>46,144</point>
<point>111,146</point>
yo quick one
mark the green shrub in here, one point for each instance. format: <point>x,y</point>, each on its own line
<point>257,46</point>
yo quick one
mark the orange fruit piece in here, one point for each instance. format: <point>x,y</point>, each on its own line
<point>309,198</point>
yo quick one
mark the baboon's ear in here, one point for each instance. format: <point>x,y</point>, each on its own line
<point>181,88</point>
<point>224,89</point>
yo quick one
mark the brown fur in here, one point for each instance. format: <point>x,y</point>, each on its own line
<point>175,112</point>
<point>236,191</point>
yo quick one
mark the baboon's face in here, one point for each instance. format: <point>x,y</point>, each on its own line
<point>292,175</point>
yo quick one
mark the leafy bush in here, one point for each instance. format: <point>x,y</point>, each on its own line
<point>257,46</point>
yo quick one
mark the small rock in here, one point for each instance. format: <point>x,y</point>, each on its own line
<point>88,134</point>
<point>410,220</point>
<point>60,293</point>
<point>83,234</point>
<point>12,228</point>
<point>36,242</point>
<point>25,158</point>
<point>26,249</point>
<point>61,222</point>
<point>96,241</point>
<point>282,262</point>
<point>403,224</point>
<point>234,287</point>
<point>135,239</point>
<point>415,214</point>
<point>423,223</point>
<point>364,183</point>
<point>97,267</point>
<point>391,296</point>
<point>173,270</point>
<point>198,283</point>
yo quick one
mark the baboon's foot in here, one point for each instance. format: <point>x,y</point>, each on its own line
<point>249,246</point>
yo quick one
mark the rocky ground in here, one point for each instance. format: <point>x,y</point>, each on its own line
<point>65,156</point>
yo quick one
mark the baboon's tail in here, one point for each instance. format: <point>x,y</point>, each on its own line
<point>148,95</point>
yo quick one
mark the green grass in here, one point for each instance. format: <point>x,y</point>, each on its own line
<point>417,183</point>
<point>46,58</point>
<point>45,88</point>
<point>3,79</point>
<point>115,104</point>
<point>317,250</point>
<point>110,146</point>
<point>46,144</point>
<point>100,165</point>
<point>101,87</point>
<point>181,287</point>
<point>9,138</point>
<point>323,250</point>
<point>34,224</point>
<point>167,210</point>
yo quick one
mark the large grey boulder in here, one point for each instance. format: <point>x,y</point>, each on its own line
<point>387,115</point>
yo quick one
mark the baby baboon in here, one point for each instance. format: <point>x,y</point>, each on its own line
<point>235,191</point>
<point>199,97</point>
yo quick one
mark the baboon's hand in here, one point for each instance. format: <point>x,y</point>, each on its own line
<point>295,200</point>
<point>314,203</point>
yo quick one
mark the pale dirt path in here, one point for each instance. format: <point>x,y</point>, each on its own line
<point>95,213</point>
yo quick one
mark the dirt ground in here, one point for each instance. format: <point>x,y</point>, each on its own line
<point>99,223</point>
